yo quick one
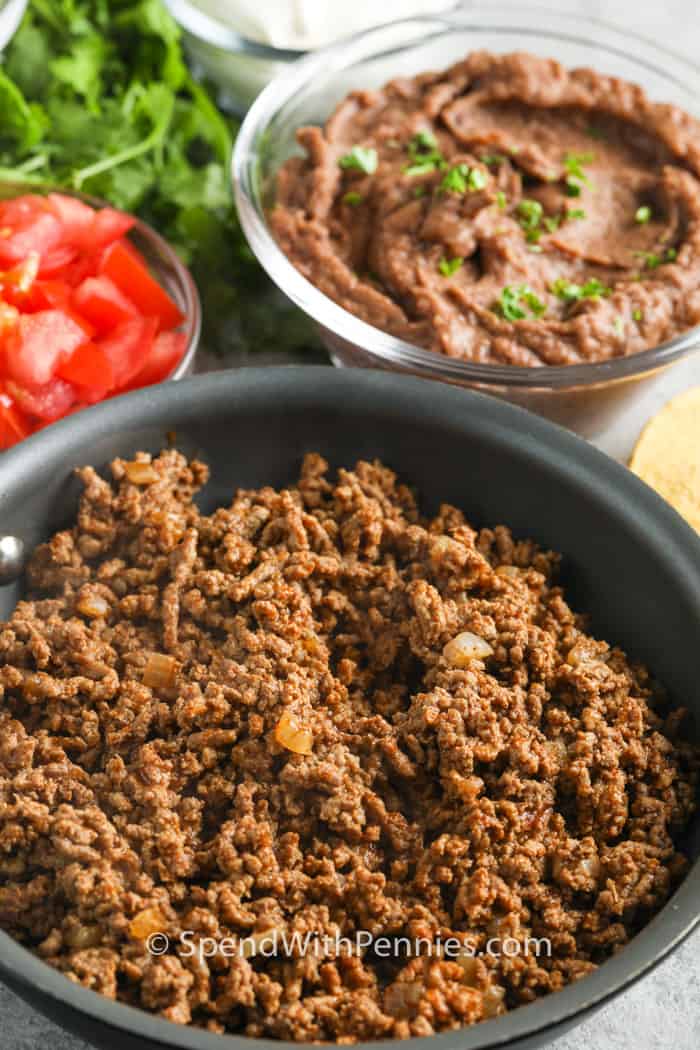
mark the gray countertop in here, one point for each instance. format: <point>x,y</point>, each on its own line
<point>663,1010</point>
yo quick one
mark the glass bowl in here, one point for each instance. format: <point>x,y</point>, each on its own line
<point>163,262</point>
<point>11,14</point>
<point>240,67</point>
<point>584,397</point>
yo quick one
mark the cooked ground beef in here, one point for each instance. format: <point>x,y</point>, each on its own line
<point>317,710</point>
<point>504,211</point>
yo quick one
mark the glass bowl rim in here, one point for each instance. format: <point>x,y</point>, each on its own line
<point>371,340</point>
<point>191,327</point>
<point>213,31</point>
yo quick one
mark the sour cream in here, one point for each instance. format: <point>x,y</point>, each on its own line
<point>306,24</point>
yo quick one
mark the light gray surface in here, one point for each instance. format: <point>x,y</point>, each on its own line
<point>662,1012</point>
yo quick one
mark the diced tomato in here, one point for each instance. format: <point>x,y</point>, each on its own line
<point>14,426</point>
<point>44,295</point>
<point>131,276</point>
<point>167,350</point>
<point>18,211</point>
<point>38,342</point>
<point>42,233</point>
<point>48,402</point>
<point>86,228</point>
<point>127,348</point>
<point>76,216</point>
<point>85,265</point>
<point>53,263</point>
<point>99,300</point>
<point>81,317</point>
<point>17,283</point>
<point>90,369</point>
<point>108,226</point>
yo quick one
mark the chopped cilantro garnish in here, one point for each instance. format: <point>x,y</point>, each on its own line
<point>492,160</point>
<point>353,198</point>
<point>570,293</point>
<point>516,300</point>
<point>652,260</point>
<point>576,213</point>
<point>476,180</point>
<point>501,200</point>
<point>642,214</point>
<point>448,267</point>
<point>535,248</point>
<point>576,177</point>
<point>422,141</point>
<point>574,163</point>
<point>424,154</point>
<point>551,223</point>
<point>637,315</point>
<point>529,214</point>
<point>461,178</point>
<point>360,159</point>
<point>619,325</point>
<point>423,167</point>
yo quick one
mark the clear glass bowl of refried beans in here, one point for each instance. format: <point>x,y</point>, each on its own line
<point>585,395</point>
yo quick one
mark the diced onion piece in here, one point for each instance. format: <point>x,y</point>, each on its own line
<point>289,734</point>
<point>140,473</point>
<point>160,671</point>
<point>508,570</point>
<point>146,923</point>
<point>92,605</point>
<point>466,647</point>
<point>81,937</point>
<point>492,999</point>
<point>470,967</point>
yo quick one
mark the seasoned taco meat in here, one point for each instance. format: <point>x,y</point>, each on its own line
<point>317,711</point>
<point>506,211</point>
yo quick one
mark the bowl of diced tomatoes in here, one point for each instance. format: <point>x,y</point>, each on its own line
<point>93,303</point>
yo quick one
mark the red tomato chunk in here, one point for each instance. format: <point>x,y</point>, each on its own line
<point>81,316</point>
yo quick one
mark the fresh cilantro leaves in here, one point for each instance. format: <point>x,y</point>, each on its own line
<point>96,95</point>
<point>515,301</point>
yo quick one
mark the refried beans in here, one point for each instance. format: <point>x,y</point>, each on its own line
<point>506,211</point>
<point>317,711</point>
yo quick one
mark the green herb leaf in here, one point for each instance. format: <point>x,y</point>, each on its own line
<point>501,200</point>
<point>492,160</point>
<point>529,214</point>
<point>353,198</point>
<point>461,178</point>
<point>423,141</point>
<point>424,154</point>
<point>576,213</point>
<point>448,267</point>
<point>97,94</point>
<point>514,302</point>
<point>360,158</point>
<point>551,223</point>
<point>569,292</point>
<point>576,177</point>
<point>642,214</point>
<point>637,315</point>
